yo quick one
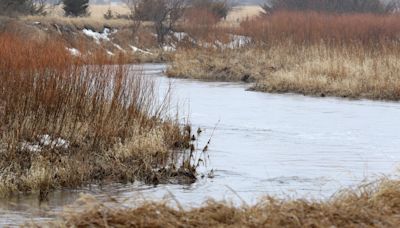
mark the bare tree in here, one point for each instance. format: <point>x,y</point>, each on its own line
<point>163,13</point>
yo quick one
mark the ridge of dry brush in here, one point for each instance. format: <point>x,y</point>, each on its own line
<point>66,121</point>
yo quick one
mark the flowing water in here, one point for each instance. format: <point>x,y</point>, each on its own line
<point>261,144</point>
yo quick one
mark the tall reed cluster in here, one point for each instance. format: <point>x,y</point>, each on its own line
<point>65,121</point>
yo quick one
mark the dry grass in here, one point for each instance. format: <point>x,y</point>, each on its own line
<point>351,56</point>
<point>220,65</point>
<point>66,122</point>
<point>375,205</point>
<point>96,11</point>
<point>242,13</point>
<point>323,71</point>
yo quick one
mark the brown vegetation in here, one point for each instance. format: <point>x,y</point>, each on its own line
<point>351,55</point>
<point>70,121</point>
<point>375,205</point>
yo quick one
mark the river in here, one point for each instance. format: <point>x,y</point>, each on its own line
<point>261,144</point>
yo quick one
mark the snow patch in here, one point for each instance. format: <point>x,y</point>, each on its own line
<point>110,53</point>
<point>180,36</point>
<point>168,48</point>
<point>45,141</point>
<point>119,47</point>
<point>98,36</point>
<point>135,49</point>
<point>73,51</point>
<point>238,41</point>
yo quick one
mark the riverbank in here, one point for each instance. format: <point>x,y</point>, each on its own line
<point>67,122</point>
<point>307,53</point>
<point>373,205</point>
<point>316,70</point>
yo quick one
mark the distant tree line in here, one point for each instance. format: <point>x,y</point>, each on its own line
<point>334,6</point>
<point>73,8</point>
<point>15,7</point>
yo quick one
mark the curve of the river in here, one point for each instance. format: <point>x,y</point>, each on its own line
<point>263,144</point>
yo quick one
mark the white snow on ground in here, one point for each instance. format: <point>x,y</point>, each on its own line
<point>135,49</point>
<point>74,51</point>
<point>45,141</point>
<point>169,48</point>
<point>110,53</point>
<point>119,47</point>
<point>238,41</point>
<point>180,35</point>
<point>98,36</point>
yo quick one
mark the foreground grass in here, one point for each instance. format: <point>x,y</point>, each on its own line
<point>375,205</point>
<point>66,122</point>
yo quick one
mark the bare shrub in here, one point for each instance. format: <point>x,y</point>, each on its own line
<point>369,30</point>
<point>163,13</point>
<point>200,23</point>
<point>219,8</point>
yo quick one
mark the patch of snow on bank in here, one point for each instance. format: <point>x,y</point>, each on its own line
<point>45,141</point>
<point>110,53</point>
<point>168,48</point>
<point>98,36</point>
<point>119,47</point>
<point>74,51</point>
<point>180,36</point>
<point>135,49</point>
<point>238,41</point>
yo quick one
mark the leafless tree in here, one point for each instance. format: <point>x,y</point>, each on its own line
<point>163,13</point>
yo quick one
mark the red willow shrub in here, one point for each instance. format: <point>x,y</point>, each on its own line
<point>307,28</point>
<point>200,23</point>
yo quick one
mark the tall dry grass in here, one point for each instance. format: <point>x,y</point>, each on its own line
<point>375,205</point>
<point>65,122</point>
<point>346,55</point>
